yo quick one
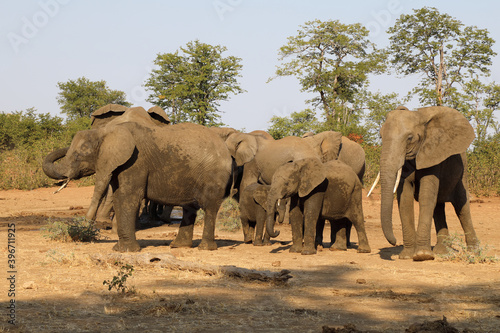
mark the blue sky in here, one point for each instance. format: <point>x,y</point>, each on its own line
<point>44,42</point>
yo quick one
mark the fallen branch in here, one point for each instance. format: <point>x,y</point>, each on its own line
<point>168,261</point>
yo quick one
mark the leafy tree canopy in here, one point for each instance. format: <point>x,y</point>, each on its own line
<point>332,60</point>
<point>297,124</point>
<point>189,84</point>
<point>79,98</point>
<point>441,49</point>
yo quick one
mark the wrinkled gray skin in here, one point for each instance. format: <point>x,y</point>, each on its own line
<point>253,201</point>
<point>185,165</point>
<point>262,157</point>
<point>111,113</point>
<point>352,154</point>
<point>328,190</point>
<point>429,145</point>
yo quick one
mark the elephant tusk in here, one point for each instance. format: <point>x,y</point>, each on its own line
<point>62,186</point>
<point>374,184</point>
<point>398,178</point>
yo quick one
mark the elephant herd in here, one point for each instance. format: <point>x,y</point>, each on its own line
<point>136,154</point>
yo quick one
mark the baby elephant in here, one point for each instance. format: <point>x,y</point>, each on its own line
<point>252,213</point>
<point>328,190</point>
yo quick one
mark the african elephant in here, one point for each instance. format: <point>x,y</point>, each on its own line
<point>110,113</point>
<point>185,164</point>
<point>352,154</point>
<point>328,190</point>
<point>428,147</point>
<point>260,157</point>
<point>252,210</point>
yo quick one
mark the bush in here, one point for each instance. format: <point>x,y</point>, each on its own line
<point>77,230</point>
<point>25,139</point>
<point>372,157</point>
<point>484,168</point>
<point>228,217</point>
<point>458,251</point>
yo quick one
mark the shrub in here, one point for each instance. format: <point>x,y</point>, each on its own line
<point>228,217</point>
<point>372,157</point>
<point>458,251</point>
<point>77,230</point>
<point>484,168</point>
<point>119,281</point>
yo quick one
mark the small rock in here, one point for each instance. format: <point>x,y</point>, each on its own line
<point>361,281</point>
<point>276,264</point>
<point>29,285</point>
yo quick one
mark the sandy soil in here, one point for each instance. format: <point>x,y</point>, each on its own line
<point>58,288</point>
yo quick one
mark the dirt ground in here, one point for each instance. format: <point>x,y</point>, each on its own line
<point>59,288</point>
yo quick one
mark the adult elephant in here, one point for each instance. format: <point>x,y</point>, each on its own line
<point>110,113</point>
<point>428,147</point>
<point>186,165</point>
<point>328,190</point>
<point>261,157</point>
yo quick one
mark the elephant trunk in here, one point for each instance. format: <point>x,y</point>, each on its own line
<point>272,200</point>
<point>389,167</point>
<point>51,169</point>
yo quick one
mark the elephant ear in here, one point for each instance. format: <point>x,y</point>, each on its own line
<point>158,114</point>
<point>107,111</point>
<point>311,175</point>
<point>243,147</point>
<point>116,149</point>
<point>328,143</point>
<point>447,132</point>
<point>260,195</point>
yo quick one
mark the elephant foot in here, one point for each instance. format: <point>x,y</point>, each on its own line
<point>258,243</point>
<point>178,243</point>
<point>296,249</point>
<point>440,248</point>
<point>267,243</point>
<point>127,246</point>
<point>364,249</point>
<point>207,246</point>
<point>308,251</point>
<point>407,253</point>
<point>423,253</point>
<point>336,247</point>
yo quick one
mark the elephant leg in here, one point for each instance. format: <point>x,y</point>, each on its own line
<point>406,200</point>
<point>106,207</point>
<point>297,224</point>
<point>208,237</point>
<point>441,228</point>
<point>461,204</point>
<point>339,234</point>
<point>356,216</point>
<point>260,220</point>
<point>184,236</point>
<point>312,210</point>
<point>320,227</point>
<point>127,204</point>
<point>429,185</point>
<point>165,214</point>
<point>247,233</point>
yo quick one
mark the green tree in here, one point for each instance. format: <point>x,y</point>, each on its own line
<point>333,61</point>
<point>478,102</point>
<point>27,127</point>
<point>438,47</point>
<point>79,98</point>
<point>297,124</point>
<point>378,105</point>
<point>190,85</point>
